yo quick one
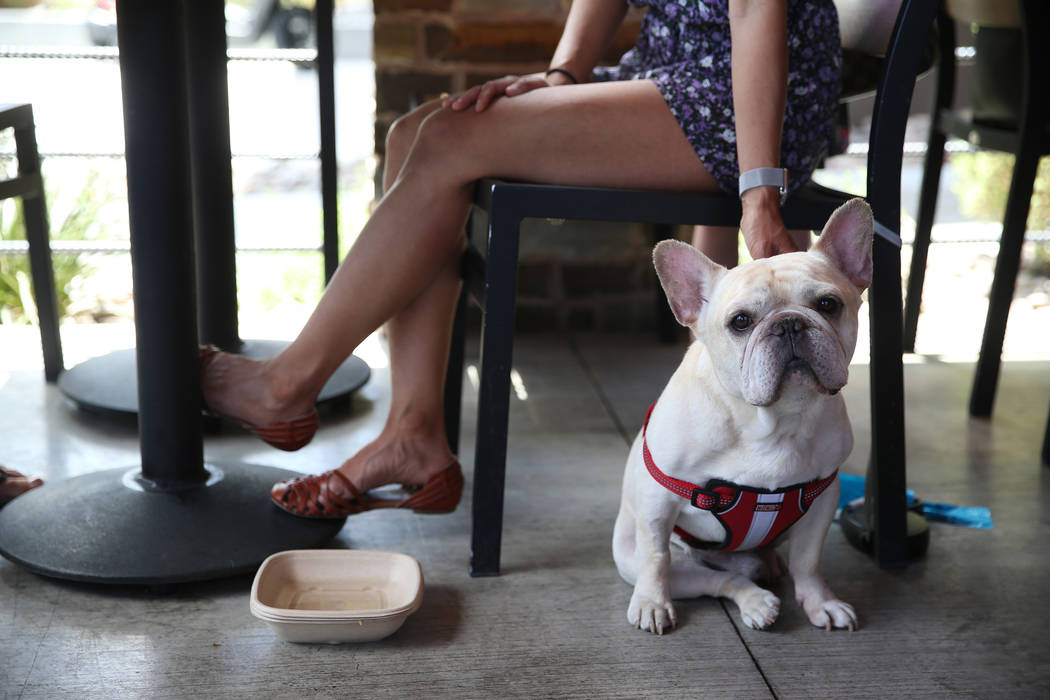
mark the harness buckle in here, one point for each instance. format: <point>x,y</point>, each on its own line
<point>699,491</point>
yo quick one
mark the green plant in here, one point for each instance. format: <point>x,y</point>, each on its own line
<point>71,219</point>
<point>982,181</point>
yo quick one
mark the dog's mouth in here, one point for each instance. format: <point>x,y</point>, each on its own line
<point>797,371</point>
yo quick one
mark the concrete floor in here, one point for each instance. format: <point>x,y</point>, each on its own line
<point>968,620</point>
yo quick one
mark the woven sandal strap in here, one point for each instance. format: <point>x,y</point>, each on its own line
<point>312,495</point>
<point>356,500</point>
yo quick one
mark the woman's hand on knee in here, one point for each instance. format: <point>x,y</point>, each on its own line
<point>481,96</point>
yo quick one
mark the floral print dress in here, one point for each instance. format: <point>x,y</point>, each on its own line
<point>684,48</point>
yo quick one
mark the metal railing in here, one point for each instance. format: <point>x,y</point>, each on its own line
<point>303,57</point>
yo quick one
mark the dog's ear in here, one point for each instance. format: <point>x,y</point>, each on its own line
<point>846,239</point>
<point>687,276</point>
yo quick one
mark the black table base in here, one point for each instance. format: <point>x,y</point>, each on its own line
<point>105,527</point>
<point>107,384</point>
<point>855,525</point>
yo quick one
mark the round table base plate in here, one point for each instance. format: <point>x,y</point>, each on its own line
<point>103,528</point>
<point>108,384</point>
<point>853,521</point>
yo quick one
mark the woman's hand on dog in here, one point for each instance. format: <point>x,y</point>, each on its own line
<point>763,229</point>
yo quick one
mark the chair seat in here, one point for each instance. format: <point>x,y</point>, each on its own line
<point>808,208</point>
<point>984,135</point>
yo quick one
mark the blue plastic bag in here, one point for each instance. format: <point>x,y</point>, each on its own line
<point>852,488</point>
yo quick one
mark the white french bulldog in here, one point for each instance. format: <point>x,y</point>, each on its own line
<point>748,435</point>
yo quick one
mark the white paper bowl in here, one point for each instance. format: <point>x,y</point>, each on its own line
<point>334,596</point>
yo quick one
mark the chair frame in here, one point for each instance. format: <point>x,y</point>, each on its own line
<point>1028,142</point>
<point>28,184</point>
<point>490,266</point>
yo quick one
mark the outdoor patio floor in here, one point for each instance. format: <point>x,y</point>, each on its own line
<point>970,620</point>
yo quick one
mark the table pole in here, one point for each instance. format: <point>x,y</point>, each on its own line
<point>152,38</point>
<point>210,162</point>
<point>329,160</point>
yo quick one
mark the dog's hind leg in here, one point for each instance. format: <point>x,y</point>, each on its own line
<point>689,578</point>
<point>764,565</point>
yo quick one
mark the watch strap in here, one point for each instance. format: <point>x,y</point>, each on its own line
<point>765,177</point>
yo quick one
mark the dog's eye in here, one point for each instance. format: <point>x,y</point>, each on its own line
<point>740,322</point>
<point>829,305</point>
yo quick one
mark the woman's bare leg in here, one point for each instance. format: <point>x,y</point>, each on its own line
<point>609,134</point>
<point>412,445</point>
<point>801,238</point>
<point>720,243</point>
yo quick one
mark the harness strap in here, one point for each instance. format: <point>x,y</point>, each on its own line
<point>699,497</point>
<point>719,497</point>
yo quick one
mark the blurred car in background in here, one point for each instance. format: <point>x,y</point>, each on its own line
<point>291,22</point>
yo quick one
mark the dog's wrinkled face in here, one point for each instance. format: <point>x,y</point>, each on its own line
<point>781,321</point>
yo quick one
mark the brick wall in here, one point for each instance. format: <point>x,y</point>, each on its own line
<point>585,275</point>
<point>423,48</point>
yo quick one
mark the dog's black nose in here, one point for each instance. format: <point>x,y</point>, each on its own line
<point>790,324</point>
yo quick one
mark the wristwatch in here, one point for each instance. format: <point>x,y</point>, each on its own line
<point>765,177</point>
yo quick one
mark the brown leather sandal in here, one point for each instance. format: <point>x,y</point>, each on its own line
<point>333,495</point>
<point>13,484</point>
<point>289,435</point>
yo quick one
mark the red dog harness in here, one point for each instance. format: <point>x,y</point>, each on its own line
<point>751,517</point>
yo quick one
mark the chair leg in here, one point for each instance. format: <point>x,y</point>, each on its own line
<point>886,503</point>
<point>931,175</point>
<point>1007,265</point>
<point>497,336</point>
<point>667,328</point>
<point>38,238</point>
<point>1035,113</point>
<point>454,373</point>
<point>1046,443</point>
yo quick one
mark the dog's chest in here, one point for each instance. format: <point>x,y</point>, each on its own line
<point>763,468</point>
<point>767,459</point>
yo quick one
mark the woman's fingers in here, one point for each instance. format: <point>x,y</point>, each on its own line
<point>462,101</point>
<point>489,91</point>
<point>481,96</point>
<point>527,83</point>
<point>767,241</point>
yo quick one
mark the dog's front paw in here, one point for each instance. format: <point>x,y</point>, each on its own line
<point>831,614</point>
<point>650,615</point>
<point>759,608</point>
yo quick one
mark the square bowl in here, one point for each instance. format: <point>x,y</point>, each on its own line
<point>336,595</point>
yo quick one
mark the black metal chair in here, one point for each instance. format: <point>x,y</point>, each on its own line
<point>29,186</point>
<point>490,268</point>
<point>1028,139</point>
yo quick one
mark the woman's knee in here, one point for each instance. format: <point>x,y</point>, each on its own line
<point>402,134</point>
<point>444,140</point>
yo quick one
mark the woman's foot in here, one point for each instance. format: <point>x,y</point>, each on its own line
<point>332,495</point>
<point>14,484</point>
<point>418,459</point>
<point>252,394</point>
<point>409,458</point>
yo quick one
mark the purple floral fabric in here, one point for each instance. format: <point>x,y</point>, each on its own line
<point>684,48</point>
